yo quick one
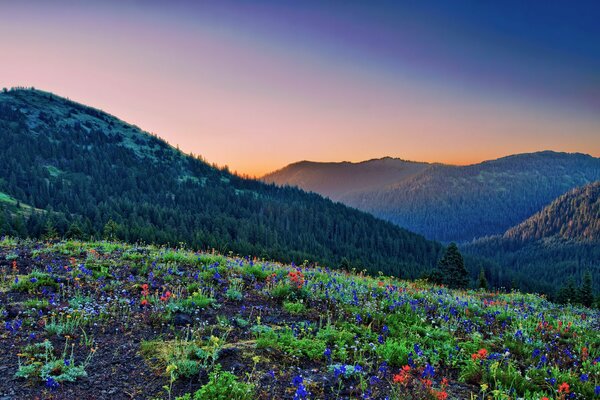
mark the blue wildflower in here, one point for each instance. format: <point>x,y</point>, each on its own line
<point>51,383</point>
<point>428,371</point>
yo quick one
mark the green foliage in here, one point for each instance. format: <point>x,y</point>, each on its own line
<point>586,293</point>
<point>234,291</point>
<point>32,282</point>
<point>452,266</point>
<point>294,307</point>
<point>482,282</point>
<point>222,385</point>
<point>40,362</point>
<point>287,342</point>
<point>195,301</point>
<point>112,180</point>
<point>395,352</point>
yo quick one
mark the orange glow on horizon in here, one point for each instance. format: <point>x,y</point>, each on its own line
<point>257,105</point>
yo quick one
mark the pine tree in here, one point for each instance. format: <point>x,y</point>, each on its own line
<point>482,280</point>
<point>49,230</point>
<point>568,293</point>
<point>74,231</point>
<point>110,230</point>
<point>586,292</point>
<point>453,268</point>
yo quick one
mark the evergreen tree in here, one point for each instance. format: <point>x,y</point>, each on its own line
<point>452,266</point>
<point>482,280</point>
<point>568,293</point>
<point>586,292</point>
<point>49,230</point>
<point>110,230</point>
<point>74,231</point>
<point>435,277</point>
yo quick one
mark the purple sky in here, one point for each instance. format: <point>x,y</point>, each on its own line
<point>257,85</point>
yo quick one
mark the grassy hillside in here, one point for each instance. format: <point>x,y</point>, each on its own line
<point>77,316</point>
<point>444,202</point>
<point>97,176</point>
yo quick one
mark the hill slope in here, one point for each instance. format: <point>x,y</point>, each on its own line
<point>86,168</point>
<point>573,216</point>
<point>280,331</point>
<point>561,241</point>
<point>451,203</point>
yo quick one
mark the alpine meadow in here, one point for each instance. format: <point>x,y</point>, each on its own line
<point>285,200</point>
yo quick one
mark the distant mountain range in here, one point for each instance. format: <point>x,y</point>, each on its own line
<point>73,170</point>
<point>446,202</point>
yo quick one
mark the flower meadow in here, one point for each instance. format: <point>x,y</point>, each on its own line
<point>119,321</point>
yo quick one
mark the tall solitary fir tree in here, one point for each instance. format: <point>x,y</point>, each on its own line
<point>586,293</point>
<point>452,266</point>
<point>482,280</point>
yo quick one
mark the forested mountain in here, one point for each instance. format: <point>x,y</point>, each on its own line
<point>444,202</point>
<point>561,241</point>
<point>68,169</point>
<point>340,180</point>
<point>573,216</point>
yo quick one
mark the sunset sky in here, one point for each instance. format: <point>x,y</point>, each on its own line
<point>257,85</point>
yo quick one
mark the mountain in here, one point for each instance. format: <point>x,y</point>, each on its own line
<point>69,169</point>
<point>341,180</point>
<point>573,216</point>
<point>445,202</point>
<point>559,242</point>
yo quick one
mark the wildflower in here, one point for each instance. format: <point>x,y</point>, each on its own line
<point>144,302</point>
<point>301,392</point>
<point>428,371</point>
<point>418,351</point>
<point>564,388</point>
<point>480,355</point>
<point>51,383</point>
<point>584,353</point>
<point>403,376</point>
<point>597,391</point>
<point>171,368</point>
<point>584,378</point>
<point>297,380</point>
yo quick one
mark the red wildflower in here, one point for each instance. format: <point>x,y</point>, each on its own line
<point>584,353</point>
<point>564,388</point>
<point>403,376</point>
<point>144,302</point>
<point>297,278</point>
<point>440,395</point>
<point>480,355</point>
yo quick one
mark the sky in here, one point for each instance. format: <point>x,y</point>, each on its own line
<point>258,85</point>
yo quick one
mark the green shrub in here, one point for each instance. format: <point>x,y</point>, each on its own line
<point>30,283</point>
<point>294,308</point>
<point>223,385</point>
